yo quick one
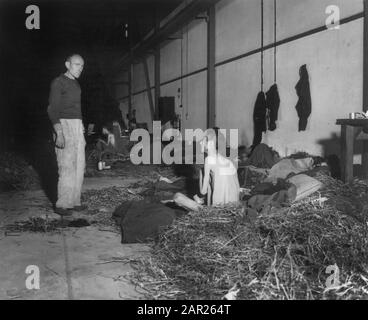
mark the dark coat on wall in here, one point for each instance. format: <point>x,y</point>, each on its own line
<point>259,118</point>
<point>304,104</point>
<point>273,104</point>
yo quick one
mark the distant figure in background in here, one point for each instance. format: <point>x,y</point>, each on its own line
<point>107,141</point>
<point>64,111</point>
<point>170,132</point>
<point>220,181</point>
<point>132,121</point>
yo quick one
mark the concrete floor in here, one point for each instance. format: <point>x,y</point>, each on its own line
<point>74,263</point>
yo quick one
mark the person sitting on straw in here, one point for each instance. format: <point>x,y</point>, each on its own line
<point>220,181</point>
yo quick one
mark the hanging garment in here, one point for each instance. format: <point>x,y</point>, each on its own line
<point>304,104</point>
<point>273,104</point>
<point>259,118</point>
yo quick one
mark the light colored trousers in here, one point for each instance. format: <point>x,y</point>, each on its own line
<point>71,163</point>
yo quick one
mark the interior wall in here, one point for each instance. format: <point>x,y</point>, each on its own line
<point>236,88</point>
<point>171,90</point>
<point>177,57</point>
<point>139,77</point>
<point>181,57</point>
<point>140,101</point>
<point>334,60</point>
<point>194,102</point>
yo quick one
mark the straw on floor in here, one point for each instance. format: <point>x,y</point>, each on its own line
<point>312,249</point>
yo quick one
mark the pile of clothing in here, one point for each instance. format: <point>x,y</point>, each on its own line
<point>283,181</point>
<point>279,182</point>
<point>144,220</point>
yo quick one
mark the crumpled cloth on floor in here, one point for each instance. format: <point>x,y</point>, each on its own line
<point>262,157</point>
<point>285,167</point>
<point>300,187</point>
<point>268,188</point>
<point>142,220</point>
<point>263,203</point>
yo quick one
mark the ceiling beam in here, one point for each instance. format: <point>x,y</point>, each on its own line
<point>171,25</point>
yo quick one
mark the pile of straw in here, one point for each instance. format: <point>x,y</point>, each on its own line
<point>101,203</point>
<point>16,173</point>
<point>108,198</point>
<point>281,255</point>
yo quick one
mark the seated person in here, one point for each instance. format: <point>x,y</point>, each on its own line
<point>132,121</point>
<point>169,132</point>
<point>220,180</point>
<point>107,141</point>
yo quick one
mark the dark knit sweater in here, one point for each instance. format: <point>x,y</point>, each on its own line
<point>64,99</point>
<point>304,104</point>
<point>259,118</point>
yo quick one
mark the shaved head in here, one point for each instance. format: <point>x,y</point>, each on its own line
<point>74,64</point>
<point>74,55</point>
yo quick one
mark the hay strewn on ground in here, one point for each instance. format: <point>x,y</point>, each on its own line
<point>101,204</point>
<point>16,173</point>
<point>281,255</point>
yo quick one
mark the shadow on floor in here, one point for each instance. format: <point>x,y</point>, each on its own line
<point>42,157</point>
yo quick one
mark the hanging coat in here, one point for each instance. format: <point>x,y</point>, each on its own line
<point>304,104</point>
<point>273,104</point>
<point>259,118</point>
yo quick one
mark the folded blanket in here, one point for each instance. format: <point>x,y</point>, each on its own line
<point>305,186</point>
<point>285,167</point>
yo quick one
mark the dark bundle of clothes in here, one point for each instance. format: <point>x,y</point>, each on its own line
<point>144,220</point>
<point>272,104</point>
<point>263,156</point>
<point>267,105</point>
<point>259,118</point>
<point>265,113</point>
<point>304,104</point>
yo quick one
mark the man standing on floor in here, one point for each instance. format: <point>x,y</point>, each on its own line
<point>64,111</point>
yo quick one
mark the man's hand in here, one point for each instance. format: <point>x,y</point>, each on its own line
<point>59,139</point>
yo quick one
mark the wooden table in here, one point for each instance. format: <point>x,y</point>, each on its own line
<point>349,130</point>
